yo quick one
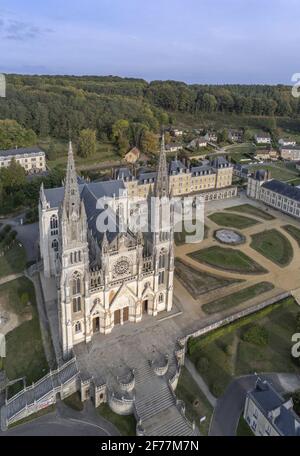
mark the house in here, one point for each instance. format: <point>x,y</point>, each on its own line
<point>173,147</point>
<point>240,171</point>
<point>197,143</point>
<point>291,153</point>
<point>133,155</point>
<point>263,138</point>
<point>268,413</point>
<point>235,135</point>
<point>175,132</point>
<point>211,136</point>
<point>286,142</point>
<point>32,159</point>
<point>265,155</point>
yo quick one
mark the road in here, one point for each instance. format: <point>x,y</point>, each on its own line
<point>230,406</point>
<point>65,421</point>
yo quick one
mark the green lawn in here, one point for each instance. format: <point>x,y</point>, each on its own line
<point>293,231</point>
<point>25,352</point>
<point>197,282</point>
<point>13,261</point>
<point>251,210</point>
<point>237,298</point>
<point>105,152</point>
<point>125,424</point>
<point>274,246</point>
<point>232,220</point>
<point>196,404</point>
<point>227,259</point>
<point>180,236</point>
<point>278,171</point>
<point>223,354</point>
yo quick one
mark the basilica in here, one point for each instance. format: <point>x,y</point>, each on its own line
<point>105,277</point>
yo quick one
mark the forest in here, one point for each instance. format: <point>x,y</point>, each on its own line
<point>62,106</point>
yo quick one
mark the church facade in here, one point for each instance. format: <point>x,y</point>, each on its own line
<point>105,277</point>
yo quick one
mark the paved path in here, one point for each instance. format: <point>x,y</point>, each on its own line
<point>10,278</point>
<point>230,406</point>
<point>65,421</point>
<point>200,382</point>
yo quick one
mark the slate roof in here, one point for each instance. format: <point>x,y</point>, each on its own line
<point>20,151</point>
<point>146,177</point>
<point>176,166</point>
<point>220,162</point>
<point>283,189</point>
<point>268,400</point>
<point>54,196</point>
<point>201,169</point>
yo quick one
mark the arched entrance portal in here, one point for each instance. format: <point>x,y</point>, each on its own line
<point>145,306</point>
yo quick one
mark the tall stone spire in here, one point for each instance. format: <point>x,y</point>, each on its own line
<point>71,203</point>
<point>161,188</point>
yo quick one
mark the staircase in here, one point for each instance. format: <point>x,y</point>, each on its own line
<point>156,407</point>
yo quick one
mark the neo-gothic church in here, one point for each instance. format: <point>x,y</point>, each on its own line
<point>105,278</point>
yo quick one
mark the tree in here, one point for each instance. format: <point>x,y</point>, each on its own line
<point>209,102</point>
<point>13,177</point>
<point>222,136</point>
<point>87,143</point>
<point>14,135</point>
<point>120,135</point>
<point>149,141</point>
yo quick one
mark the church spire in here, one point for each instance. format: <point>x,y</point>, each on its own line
<point>71,203</point>
<point>162,177</point>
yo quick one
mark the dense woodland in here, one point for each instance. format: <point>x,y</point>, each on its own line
<point>61,106</point>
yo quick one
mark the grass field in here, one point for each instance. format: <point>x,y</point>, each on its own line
<point>197,406</point>
<point>274,246</point>
<point>293,231</point>
<point>13,261</point>
<point>232,220</point>
<point>180,236</point>
<point>227,259</point>
<point>237,298</point>
<point>25,352</point>
<point>125,424</point>
<point>278,171</point>
<point>251,210</point>
<point>198,282</point>
<point>105,152</point>
<point>223,354</point>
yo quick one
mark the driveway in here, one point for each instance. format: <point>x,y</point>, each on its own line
<point>65,421</point>
<point>230,406</point>
<point>28,235</point>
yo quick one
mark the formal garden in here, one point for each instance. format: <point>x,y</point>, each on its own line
<point>260,342</point>
<point>232,220</point>
<point>249,209</point>
<point>227,259</point>
<point>273,245</point>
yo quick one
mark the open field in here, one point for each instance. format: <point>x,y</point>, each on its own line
<point>227,259</point>
<point>278,171</point>
<point>251,210</point>
<point>274,246</point>
<point>197,406</point>
<point>25,351</point>
<point>237,298</point>
<point>293,231</point>
<point>223,353</point>
<point>58,151</point>
<point>198,282</point>
<point>232,220</point>
<point>125,424</point>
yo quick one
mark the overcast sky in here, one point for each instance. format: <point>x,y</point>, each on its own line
<point>205,41</point>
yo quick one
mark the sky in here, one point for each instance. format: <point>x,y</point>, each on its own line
<point>196,41</point>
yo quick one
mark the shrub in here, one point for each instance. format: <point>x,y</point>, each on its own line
<point>256,335</point>
<point>217,388</point>
<point>7,229</point>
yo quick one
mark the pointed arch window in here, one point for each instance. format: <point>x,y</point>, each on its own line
<point>54,225</point>
<point>161,298</point>
<point>77,304</point>
<point>162,259</point>
<point>55,245</point>
<point>77,327</point>
<point>76,283</point>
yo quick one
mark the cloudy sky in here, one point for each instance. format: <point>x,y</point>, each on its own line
<point>205,41</point>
